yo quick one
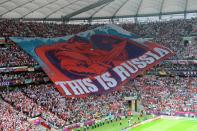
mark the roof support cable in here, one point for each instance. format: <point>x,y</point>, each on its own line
<point>161,9</point>
<point>124,3</point>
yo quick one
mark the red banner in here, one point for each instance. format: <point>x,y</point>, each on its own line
<point>80,67</point>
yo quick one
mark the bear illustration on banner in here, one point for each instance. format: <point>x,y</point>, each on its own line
<point>79,58</point>
<point>82,66</point>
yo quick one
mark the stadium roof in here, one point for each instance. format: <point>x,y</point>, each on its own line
<point>92,9</point>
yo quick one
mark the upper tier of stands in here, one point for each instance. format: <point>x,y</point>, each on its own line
<point>169,34</point>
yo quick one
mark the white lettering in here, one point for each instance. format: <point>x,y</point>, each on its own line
<point>121,72</point>
<point>62,85</point>
<point>88,83</point>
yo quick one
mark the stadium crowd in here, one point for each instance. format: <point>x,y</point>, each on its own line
<point>166,95</point>
<point>12,55</point>
<point>38,29</point>
<point>13,120</point>
<point>158,94</point>
<point>36,100</point>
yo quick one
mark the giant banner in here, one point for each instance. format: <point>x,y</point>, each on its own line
<point>95,61</point>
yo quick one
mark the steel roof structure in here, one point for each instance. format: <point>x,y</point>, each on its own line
<point>54,10</point>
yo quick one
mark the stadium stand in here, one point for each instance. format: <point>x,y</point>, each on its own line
<point>34,98</point>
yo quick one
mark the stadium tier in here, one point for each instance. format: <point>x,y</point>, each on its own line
<point>155,85</point>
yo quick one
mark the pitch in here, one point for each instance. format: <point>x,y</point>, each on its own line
<point>169,125</point>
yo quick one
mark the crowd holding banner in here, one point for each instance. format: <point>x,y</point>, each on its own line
<point>96,63</point>
<point>166,95</point>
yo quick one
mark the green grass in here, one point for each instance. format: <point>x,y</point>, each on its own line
<point>168,125</point>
